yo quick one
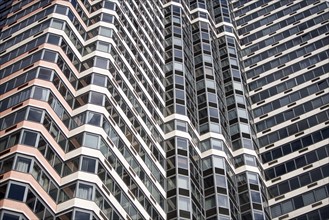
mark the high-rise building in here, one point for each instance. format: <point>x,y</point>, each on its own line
<point>164,109</point>
<point>284,46</point>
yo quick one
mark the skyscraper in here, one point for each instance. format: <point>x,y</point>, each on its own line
<point>159,109</point>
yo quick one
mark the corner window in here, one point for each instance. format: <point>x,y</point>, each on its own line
<point>184,203</point>
<point>50,56</point>
<point>8,216</point>
<point>253,179</point>
<point>16,192</point>
<point>23,164</point>
<point>35,115</point>
<point>210,202</point>
<point>94,119</point>
<point>181,143</point>
<point>102,46</point>
<point>222,201</point>
<point>57,24</point>
<point>85,192</point>
<point>107,32</point>
<point>255,197</point>
<point>81,215</point>
<point>183,182</point>
<point>40,93</point>
<point>220,181</point>
<point>88,165</point>
<point>101,62</point>
<point>182,162</point>
<point>29,138</point>
<point>91,140</point>
<point>218,162</point>
<point>206,163</point>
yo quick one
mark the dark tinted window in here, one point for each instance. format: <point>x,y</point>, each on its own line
<point>16,192</point>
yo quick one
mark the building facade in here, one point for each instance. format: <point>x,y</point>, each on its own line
<point>160,109</point>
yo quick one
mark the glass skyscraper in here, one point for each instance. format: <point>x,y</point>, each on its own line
<point>164,109</point>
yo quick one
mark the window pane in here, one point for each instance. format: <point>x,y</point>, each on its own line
<point>23,164</point>
<point>88,165</point>
<point>182,162</point>
<point>255,196</point>
<point>101,63</point>
<point>210,202</point>
<point>85,191</point>
<point>91,141</point>
<point>221,181</point>
<point>81,216</point>
<point>10,216</point>
<point>184,203</point>
<point>183,182</point>
<point>29,138</point>
<point>218,162</point>
<point>320,194</point>
<point>287,206</point>
<point>308,198</point>
<point>222,201</point>
<point>94,119</point>
<point>16,192</point>
<point>34,115</point>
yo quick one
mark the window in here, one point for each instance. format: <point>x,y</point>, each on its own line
<point>57,24</point>
<point>258,216</point>
<point>181,125</point>
<point>91,140</point>
<point>222,201</point>
<point>184,203</point>
<point>182,162</point>
<point>101,62</point>
<point>88,165</point>
<point>255,197</point>
<point>94,119</point>
<point>308,198</point>
<point>23,164</point>
<point>172,204</point>
<point>40,93</point>
<point>53,39</point>
<point>220,181</point>
<point>210,202</point>
<point>253,178</point>
<point>171,183</point>
<point>81,215</point>
<point>8,216</point>
<point>107,32</point>
<point>244,128</point>
<point>85,191</point>
<point>244,198</point>
<point>320,194</point>
<point>276,211</point>
<point>216,144</point>
<point>287,206</point>
<point>284,187</point>
<point>104,47</point>
<point>107,18</point>
<point>29,138</point>
<point>50,56</point>
<point>250,160</point>
<point>34,115</point>
<point>183,182</point>
<point>39,209</point>
<point>99,80</point>
<point>16,192</point>
<point>206,163</point>
<point>218,162</point>
<point>243,114</point>
<point>181,143</point>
